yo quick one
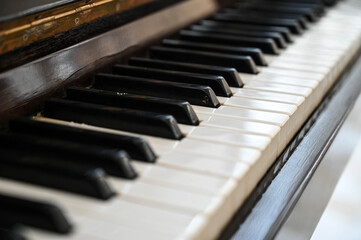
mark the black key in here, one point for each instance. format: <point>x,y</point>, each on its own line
<point>33,213</point>
<point>241,63</point>
<point>182,111</point>
<point>255,53</point>
<point>286,33</point>
<point>6,234</point>
<point>142,122</point>
<point>217,83</point>
<point>44,171</point>
<point>245,12</point>
<point>292,24</point>
<point>267,45</point>
<point>195,94</point>
<point>306,12</point>
<point>277,37</point>
<point>114,162</point>
<point>317,8</point>
<point>136,147</point>
<point>229,74</point>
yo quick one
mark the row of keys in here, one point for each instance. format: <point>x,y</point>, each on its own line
<point>198,159</point>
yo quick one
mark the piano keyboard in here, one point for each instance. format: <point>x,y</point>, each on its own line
<point>200,124</point>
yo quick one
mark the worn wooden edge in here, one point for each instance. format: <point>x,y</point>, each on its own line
<point>32,9</point>
<point>58,39</point>
<point>24,30</point>
<point>25,87</point>
<point>269,205</point>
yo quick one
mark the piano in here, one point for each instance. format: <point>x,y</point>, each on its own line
<point>188,119</point>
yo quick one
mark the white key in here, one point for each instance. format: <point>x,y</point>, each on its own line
<point>128,216</point>
<point>276,119</point>
<point>165,176</point>
<point>225,136</point>
<point>295,116</point>
<point>236,125</point>
<point>272,77</point>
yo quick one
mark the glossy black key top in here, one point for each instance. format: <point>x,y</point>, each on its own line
<point>229,74</point>
<point>182,111</point>
<point>44,171</point>
<point>6,234</point>
<point>241,63</point>
<point>114,162</point>
<point>136,147</point>
<point>306,12</point>
<point>292,24</point>
<point>195,94</point>
<point>317,8</point>
<point>286,33</point>
<point>245,12</point>
<point>160,125</point>
<point>217,83</point>
<point>255,53</point>
<point>277,37</point>
<point>46,216</point>
<point>267,45</point>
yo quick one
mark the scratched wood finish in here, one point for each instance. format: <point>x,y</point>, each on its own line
<point>271,202</point>
<point>22,89</point>
<point>18,30</point>
<point>58,41</point>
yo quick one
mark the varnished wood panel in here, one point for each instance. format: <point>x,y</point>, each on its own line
<point>26,27</point>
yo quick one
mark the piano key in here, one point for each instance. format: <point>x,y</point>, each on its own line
<point>229,74</point>
<point>53,174</point>
<point>80,210</point>
<point>274,87</point>
<point>241,63</point>
<point>188,180</point>
<point>267,45</point>
<point>245,12</point>
<point>10,235</point>
<point>244,126</point>
<point>114,162</point>
<point>307,12</point>
<point>317,8</point>
<point>180,110</point>
<point>268,96</point>
<point>244,154</point>
<point>291,24</point>
<point>118,118</point>
<point>225,136</point>
<point>255,53</point>
<point>285,32</point>
<point>277,38</point>
<point>269,77</point>
<point>137,148</point>
<point>217,83</point>
<point>262,105</point>
<point>33,213</point>
<point>195,94</point>
<point>277,119</point>
<point>239,125</point>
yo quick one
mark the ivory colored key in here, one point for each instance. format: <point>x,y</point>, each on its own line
<point>295,116</point>
<point>117,213</point>
<point>311,100</point>
<point>225,136</point>
<point>237,125</point>
<point>271,77</point>
<point>276,119</point>
<point>161,146</point>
